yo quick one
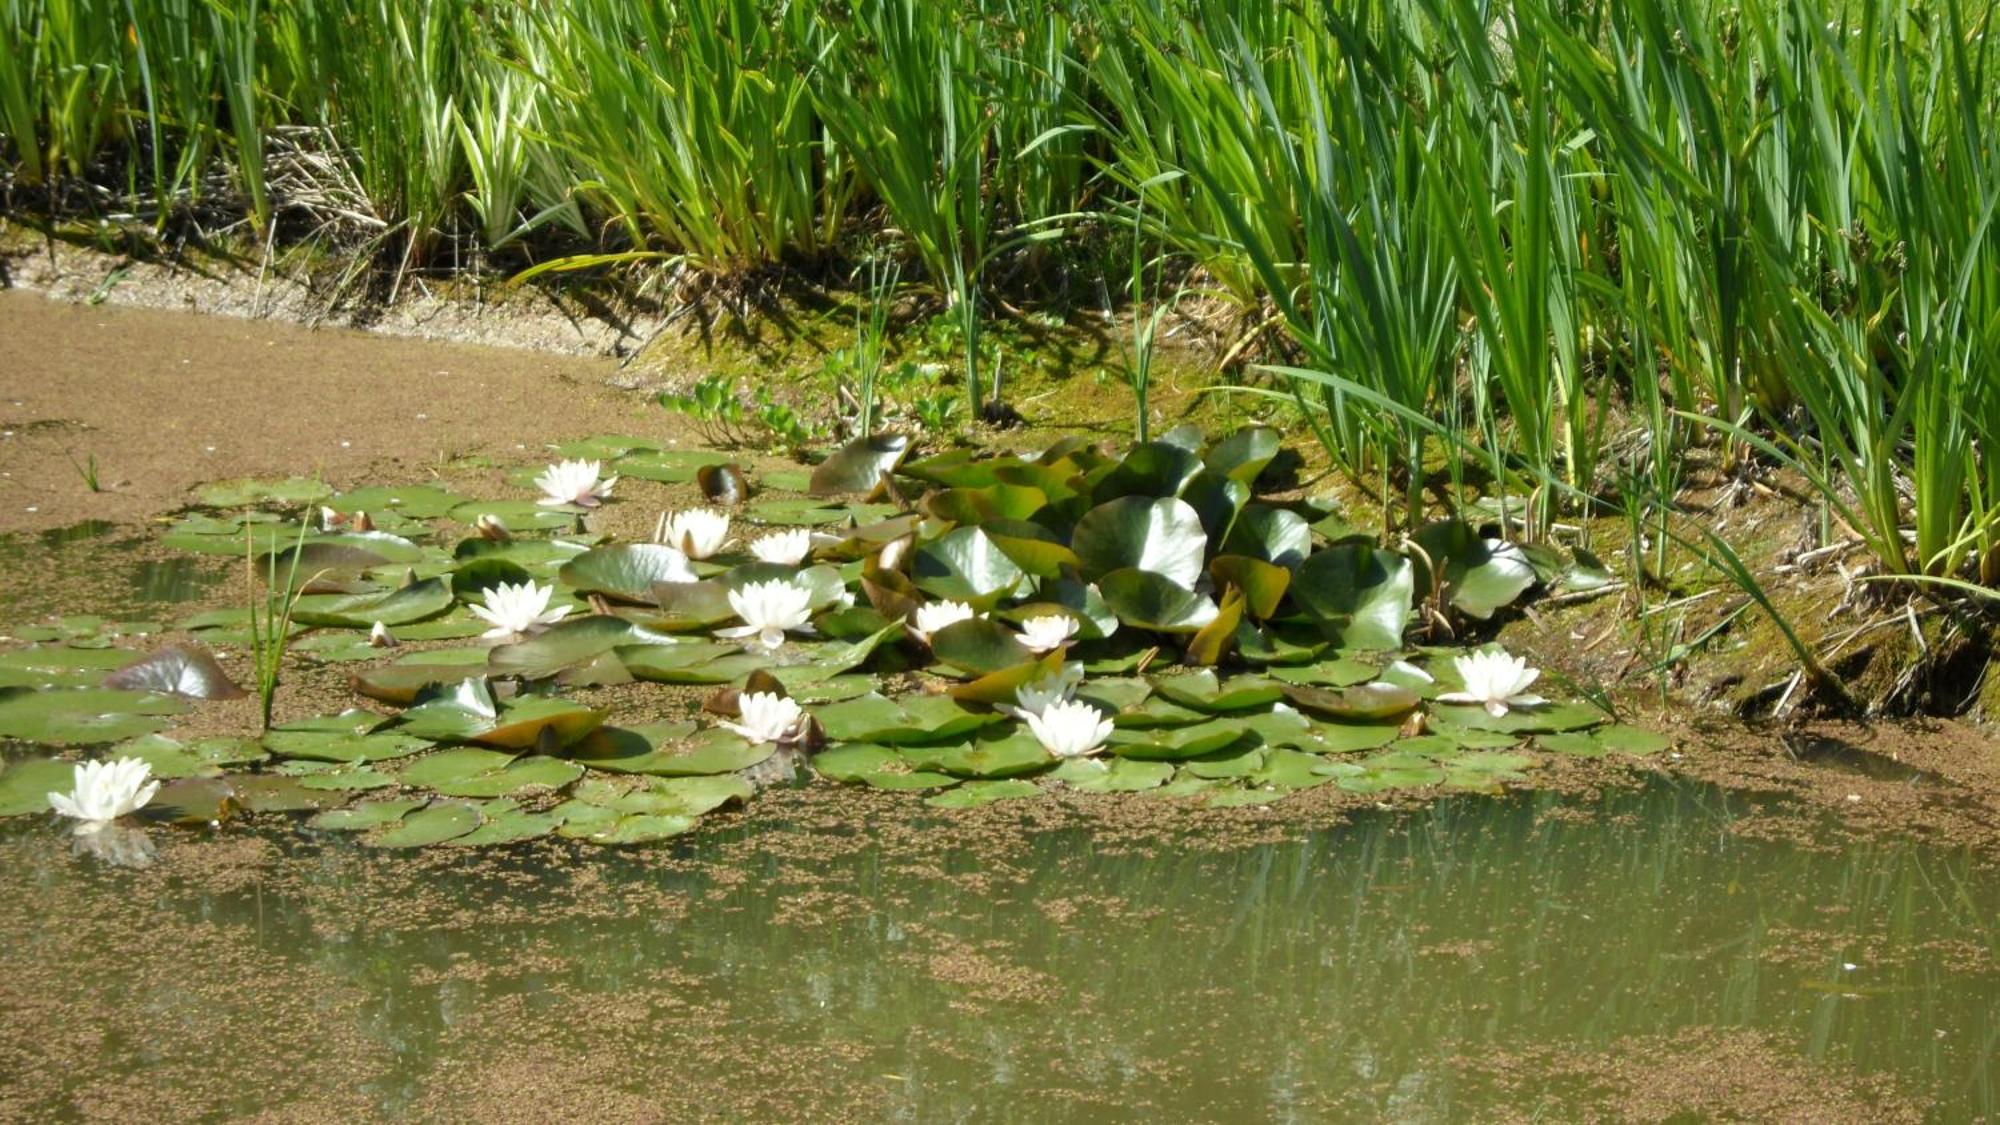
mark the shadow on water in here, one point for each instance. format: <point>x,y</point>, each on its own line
<point>1367,970</point>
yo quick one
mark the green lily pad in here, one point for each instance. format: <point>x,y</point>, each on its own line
<point>1147,600</point>
<point>1009,756</point>
<point>919,719</point>
<point>517,515</point>
<point>1115,775</point>
<point>203,758</point>
<point>365,815</point>
<point>669,750</point>
<point>626,571</point>
<point>1360,596</point>
<point>361,611</point>
<point>25,785</point>
<point>247,491</point>
<point>83,716</point>
<point>859,466</point>
<point>60,666</point>
<point>441,821</point>
<point>965,565</point>
<point>972,794</point>
<point>1163,537</point>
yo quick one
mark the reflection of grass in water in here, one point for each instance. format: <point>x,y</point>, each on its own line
<point>1343,970</point>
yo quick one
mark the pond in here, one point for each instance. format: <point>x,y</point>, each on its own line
<point>1477,959</point>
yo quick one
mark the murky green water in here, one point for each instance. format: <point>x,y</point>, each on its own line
<point>1480,957</point>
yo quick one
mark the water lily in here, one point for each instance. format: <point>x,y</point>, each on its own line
<point>697,532</point>
<point>1070,730</point>
<point>769,610</point>
<point>490,526</point>
<point>1047,633</point>
<point>1495,681</point>
<point>930,618</point>
<point>574,482</point>
<point>767,716</point>
<point>1035,698</point>
<point>380,637</point>
<point>514,610</point>
<point>786,548</point>
<point>104,791</point>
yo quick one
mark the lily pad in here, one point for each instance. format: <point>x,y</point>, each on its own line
<point>83,716</point>
<point>627,571</point>
<point>859,466</point>
<point>401,606</point>
<point>187,670</point>
<point>247,491</point>
<point>1360,596</point>
<point>441,821</point>
<point>1148,600</point>
<point>365,815</point>
<point>1163,537</point>
<point>965,565</point>
<point>972,794</point>
<point>25,785</point>
<point>417,501</point>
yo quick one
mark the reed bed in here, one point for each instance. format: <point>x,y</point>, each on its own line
<point>1557,244</point>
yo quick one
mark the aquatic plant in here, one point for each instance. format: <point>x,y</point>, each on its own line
<point>785,548</point>
<point>934,616</point>
<point>1494,680</point>
<point>767,717</point>
<point>515,610</point>
<point>574,483</point>
<point>1048,632</point>
<point>768,611</point>
<point>1069,729</point>
<point>697,533</point>
<point>104,791</point>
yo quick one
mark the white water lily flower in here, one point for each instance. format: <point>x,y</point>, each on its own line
<point>697,532</point>
<point>1494,680</point>
<point>104,791</point>
<point>767,716</point>
<point>786,548</point>
<point>930,618</point>
<point>574,482</point>
<point>515,610</point>
<point>1044,634</point>
<point>380,636</point>
<point>769,610</point>
<point>1035,698</point>
<point>1070,730</point>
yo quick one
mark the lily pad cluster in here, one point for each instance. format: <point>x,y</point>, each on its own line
<point>1243,644</point>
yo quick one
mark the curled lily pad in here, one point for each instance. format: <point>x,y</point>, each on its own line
<point>1152,469</point>
<point>1212,642</point>
<point>1163,537</point>
<point>1480,575</point>
<point>723,484</point>
<point>983,505</point>
<point>1263,584</point>
<point>1273,535</point>
<point>1032,547</point>
<point>627,571</point>
<point>1360,596</point>
<point>1242,455</point>
<point>965,565</point>
<point>859,466</point>
<point>1148,600</point>
<point>187,670</point>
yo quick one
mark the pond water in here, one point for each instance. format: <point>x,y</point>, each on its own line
<point>1479,959</point>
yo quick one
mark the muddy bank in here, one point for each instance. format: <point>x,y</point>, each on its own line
<point>165,401</point>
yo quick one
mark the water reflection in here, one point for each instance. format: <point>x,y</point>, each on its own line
<point>1352,972</point>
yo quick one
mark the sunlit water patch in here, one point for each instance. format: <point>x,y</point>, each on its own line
<point>1483,958</point>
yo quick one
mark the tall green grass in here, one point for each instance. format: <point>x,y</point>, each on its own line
<point>1605,246</point>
